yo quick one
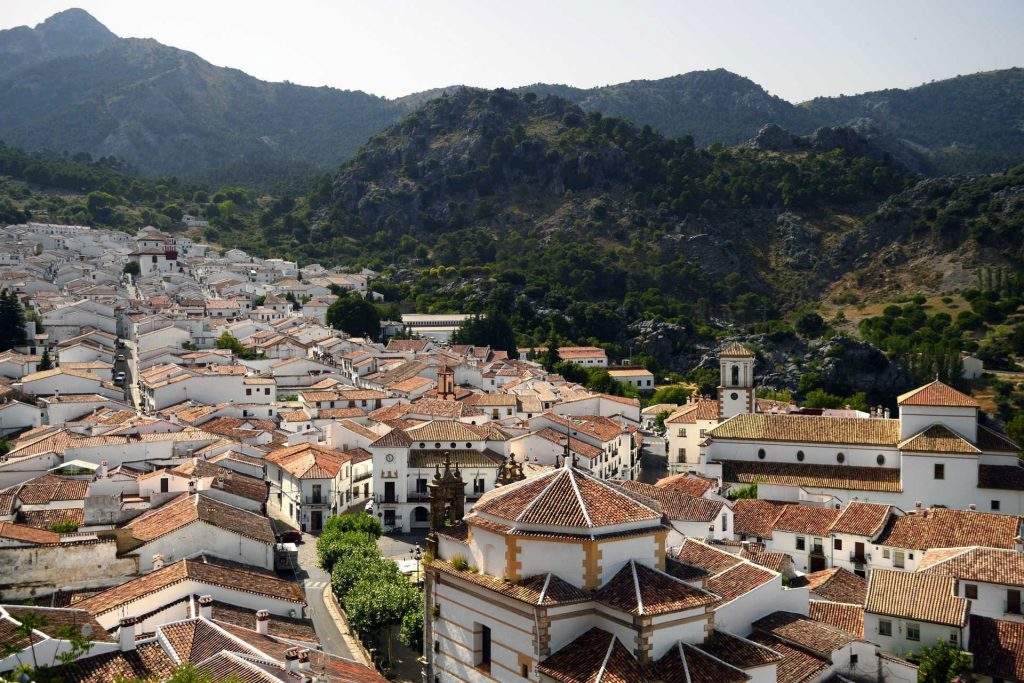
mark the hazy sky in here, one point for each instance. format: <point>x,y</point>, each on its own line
<point>794,48</point>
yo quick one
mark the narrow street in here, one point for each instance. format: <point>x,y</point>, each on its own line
<point>314,580</point>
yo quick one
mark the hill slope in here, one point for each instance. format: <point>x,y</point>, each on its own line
<point>165,110</point>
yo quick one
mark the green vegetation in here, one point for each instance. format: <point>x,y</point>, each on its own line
<point>12,321</point>
<point>743,492</point>
<point>376,597</point>
<point>64,527</point>
<point>490,329</point>
<point>228,342</point>
<point>941,663</point>
<point>354,315</point>
<point>37,669</point>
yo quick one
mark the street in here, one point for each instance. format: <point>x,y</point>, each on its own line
<point>314,580</point>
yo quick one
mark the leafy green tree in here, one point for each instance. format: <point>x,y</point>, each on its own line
<point>411,631</point>
<point>810,324</point>
<point>45,363</point>
<point>819,398</point>
<point>942,663</point>
<point>354,563</point>
<point>353,521</point>
<point>376,607</point>
<point>492,329</point>
<point>133,268</point>
<point>354,315</point>
<point>229,342</point>
<point>1015,429</point>
<point>334,546</point>
<point>671,394</point>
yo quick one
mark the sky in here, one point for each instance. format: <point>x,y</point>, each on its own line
<point>796,49</point>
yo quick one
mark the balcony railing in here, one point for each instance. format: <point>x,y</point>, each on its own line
<point>858,558</point>
<point>386,498</point>
<point>316,500</point>
<point>361,477</point>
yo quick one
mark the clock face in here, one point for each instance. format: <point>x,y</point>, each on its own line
<point>389,457</point>
<point>734,396</point>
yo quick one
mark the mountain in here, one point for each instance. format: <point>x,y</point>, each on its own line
<point>69,84</point>
<point>712,106</point>
<point>968,123</point>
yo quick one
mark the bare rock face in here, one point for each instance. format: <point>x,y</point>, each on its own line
<point>774,138</point>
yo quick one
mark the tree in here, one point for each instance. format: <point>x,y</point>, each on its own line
<point>411,632</point>
<point>229,342</point>
<point>375,607</point>
<point>12,321</point>
<point>78,644</point>
<point>810,324</point>
<point>492,329</point>
<point>359,563</point>
<point>677,395</point>
<point>132,268</point>
<point>45,363</point>
<point>942,663</point>
<point>330,548</point>
<point>355,315</point>
<point>1015,429</point>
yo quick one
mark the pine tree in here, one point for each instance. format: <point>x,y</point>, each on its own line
<point>45,363</point>
<point>12,321</point>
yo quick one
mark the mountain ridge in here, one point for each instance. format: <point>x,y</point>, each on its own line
<point>73,85</point>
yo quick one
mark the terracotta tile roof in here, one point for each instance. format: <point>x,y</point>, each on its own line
<point>232,576</point>
<point>936,394</point>
<point>739,580</point>
<point>684,663</point>
<point>756,517</point>
<point>1004,477</point>
<point>698,554</point>
<point>195,640</point>
<point>309,461</point>
<point>938,439</point>
<point>882,479</point>
<point>998,648</point>
<point>806,519</point>
<point>463,457</point>
<point>55,620</point>
<point>567,352</point>
<point>675,504</point>
<point>575,445</point>
<point>689,413</point>
<point>339,413</point>
<point>838,584</point>
<point>640,590</point>
<point>796,665</point>
<point>947,528</point>
<point>282,627</point>
<point>985,565</point>
<point>186,509</point>
<point>396,438</point>
<point>596,656</point>
<point>44,519</point>
<point>991,440</point>
<point>147,662</point>
<point>740,652</point>
<point>735,350</point>
<point>913,595</point>
<point>844,616</point>
<point>818,637</point>
<point>816,429</point>
<point>51,488</point>
<point>686,483</point>
<point>601,428</point>
<point>540,589</point>
<point>566,497</point>
<point>757,554</point>
<point>25,534</point>
<point>341,670</point>
<point>230,666</point>
<point>862,519</point>
<point>442,430</point>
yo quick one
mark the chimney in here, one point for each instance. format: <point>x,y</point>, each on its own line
<point>191,486</point>
<point>206,606</point>
<point>158,561</point>
<point>126,634</point>
<point>885,413</point>
<point>263,621</point>
<point>103,472</point>
<point>291,660</point>
<point>972,506</point>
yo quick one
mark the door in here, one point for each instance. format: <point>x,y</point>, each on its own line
<point>817,562</point>
<point>858,552</point>
<point>1013,602</point>
<point>316,521</point>
<point>389,519</point>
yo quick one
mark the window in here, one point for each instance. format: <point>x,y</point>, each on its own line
<point>421,486</point>
<point>838,544</point>
<point>898,559</point>
<point>469,445</point>
<point>940,470</point>
<point>994,505</point>
<point>913,631</point>
<point>682,455</point>
<point>482,646</point>
<point>735,375</point>
<point>455,445</point>
<point>853,659</point>
<point>725,523</point>
<point>800,456</point>
<point>840,458</point>
<point>248,391</point>
<point>801,542</point>
<point>437,445</point>
<point>437,646</point>
<point>880,459</point>
<point>760,454</point>
<point>954,638</point>
<point>884,627</point>
<point>317,492</point>
<point>478,486</point>
<point>524,670</point>
<point>682,431</point>
<point>971,591</point>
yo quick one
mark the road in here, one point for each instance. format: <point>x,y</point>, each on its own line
<point>314,580</point>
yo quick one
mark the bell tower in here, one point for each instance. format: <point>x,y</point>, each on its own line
<point>447,494</point>
<point>736,382</point>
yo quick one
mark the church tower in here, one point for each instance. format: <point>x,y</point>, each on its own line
<point>736,383</point>
<point>446,383</point>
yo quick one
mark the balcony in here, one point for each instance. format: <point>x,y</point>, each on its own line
<point>418,497</point>
<point>361,477</point>
<point>316,500</point>
<point>858,558</point>
<point>386,498</point>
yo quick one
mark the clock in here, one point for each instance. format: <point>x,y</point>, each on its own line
<point>390,457</point>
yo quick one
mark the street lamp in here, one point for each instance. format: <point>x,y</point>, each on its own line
<point>417,554</point>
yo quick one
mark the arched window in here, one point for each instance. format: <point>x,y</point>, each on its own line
<point>840,458</point>
<point>735,375</point>
<point>760,454</point>
<point>880,459</point>
<point>800,456</point>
